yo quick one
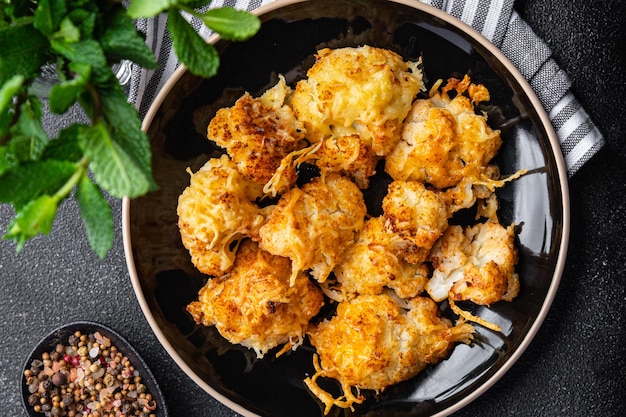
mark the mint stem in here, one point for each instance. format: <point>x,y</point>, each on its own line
<point>73,180</point>
<point>96,103</point>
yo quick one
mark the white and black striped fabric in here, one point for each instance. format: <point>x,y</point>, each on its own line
<point>494,19</point>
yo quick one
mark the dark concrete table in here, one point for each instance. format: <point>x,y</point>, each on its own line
<point>575,365</point>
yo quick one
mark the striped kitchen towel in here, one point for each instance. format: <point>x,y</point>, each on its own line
<point>494,19</point>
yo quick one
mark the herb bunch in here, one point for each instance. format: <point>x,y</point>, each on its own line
<point>82,40</point>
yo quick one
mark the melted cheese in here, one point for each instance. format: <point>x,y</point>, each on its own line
<point>215,211</point>
<point>372,343</point>
<point>258,133</point>
<point>364,91</point>
<point>255,305</point>
<point>369,266</point>
<point>444,140</point>
<point>417,215</point>
<point>313,225</point>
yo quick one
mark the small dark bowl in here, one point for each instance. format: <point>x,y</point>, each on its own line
<point>60,335</point>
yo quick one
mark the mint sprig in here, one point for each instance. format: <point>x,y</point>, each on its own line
<point>110,155</point>
<point>200,58</point>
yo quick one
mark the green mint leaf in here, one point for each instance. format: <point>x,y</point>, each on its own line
<point>148,8</point>
<point>24,148</point>
<point>48,15</point>
<point>24,51</point>
<point>81,70</point>
<point>28,181</point>
<point>5,164</point>
<point>232,24</point>
<point>125,125</point>
<point>86,52</point>
<point>113,168</point>
<point>28,135</point>
<point>86,20</point>
<point>9,89</point>
<point>96,215</point>
<point>121,40</point>
<point>34,218</point>
<point>66,146</point>
<point>68,32</point>
<point>63,95</point>
<point>200,57</point>
<point>6,117</point>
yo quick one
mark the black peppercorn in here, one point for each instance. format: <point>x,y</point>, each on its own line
<point>73,340</point>
<point>47,384</point>
<point>33,399</point>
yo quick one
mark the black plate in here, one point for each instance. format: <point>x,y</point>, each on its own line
<point>60,335</point>
<point>165,281</point>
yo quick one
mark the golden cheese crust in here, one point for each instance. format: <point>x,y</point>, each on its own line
<point>347,155</point>
<point>258,133</point>
<point>255,305</point>
<point>216,210</point>
<point>372,343</point>
<point>443,139</point>
<point>417,215</point>
<point>369,266</point>
<point>476,264</point>
<point>365,91</point>
<point>313,225</point>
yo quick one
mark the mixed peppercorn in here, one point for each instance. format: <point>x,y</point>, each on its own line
<point>88,377</point>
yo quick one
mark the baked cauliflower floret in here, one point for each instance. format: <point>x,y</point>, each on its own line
<point>368,266</point>
<point>372,343</point>
<point>469,190</point>
<point>313,225</point>
<point>423,154</point>
<point>347,155</point>
<point>216,210</point>
<point>255,305</point>
<point>417,215</point>
<point>365,91</point>
<point>443,139</point>
<point>258,133</point>
<point>476,264</point>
